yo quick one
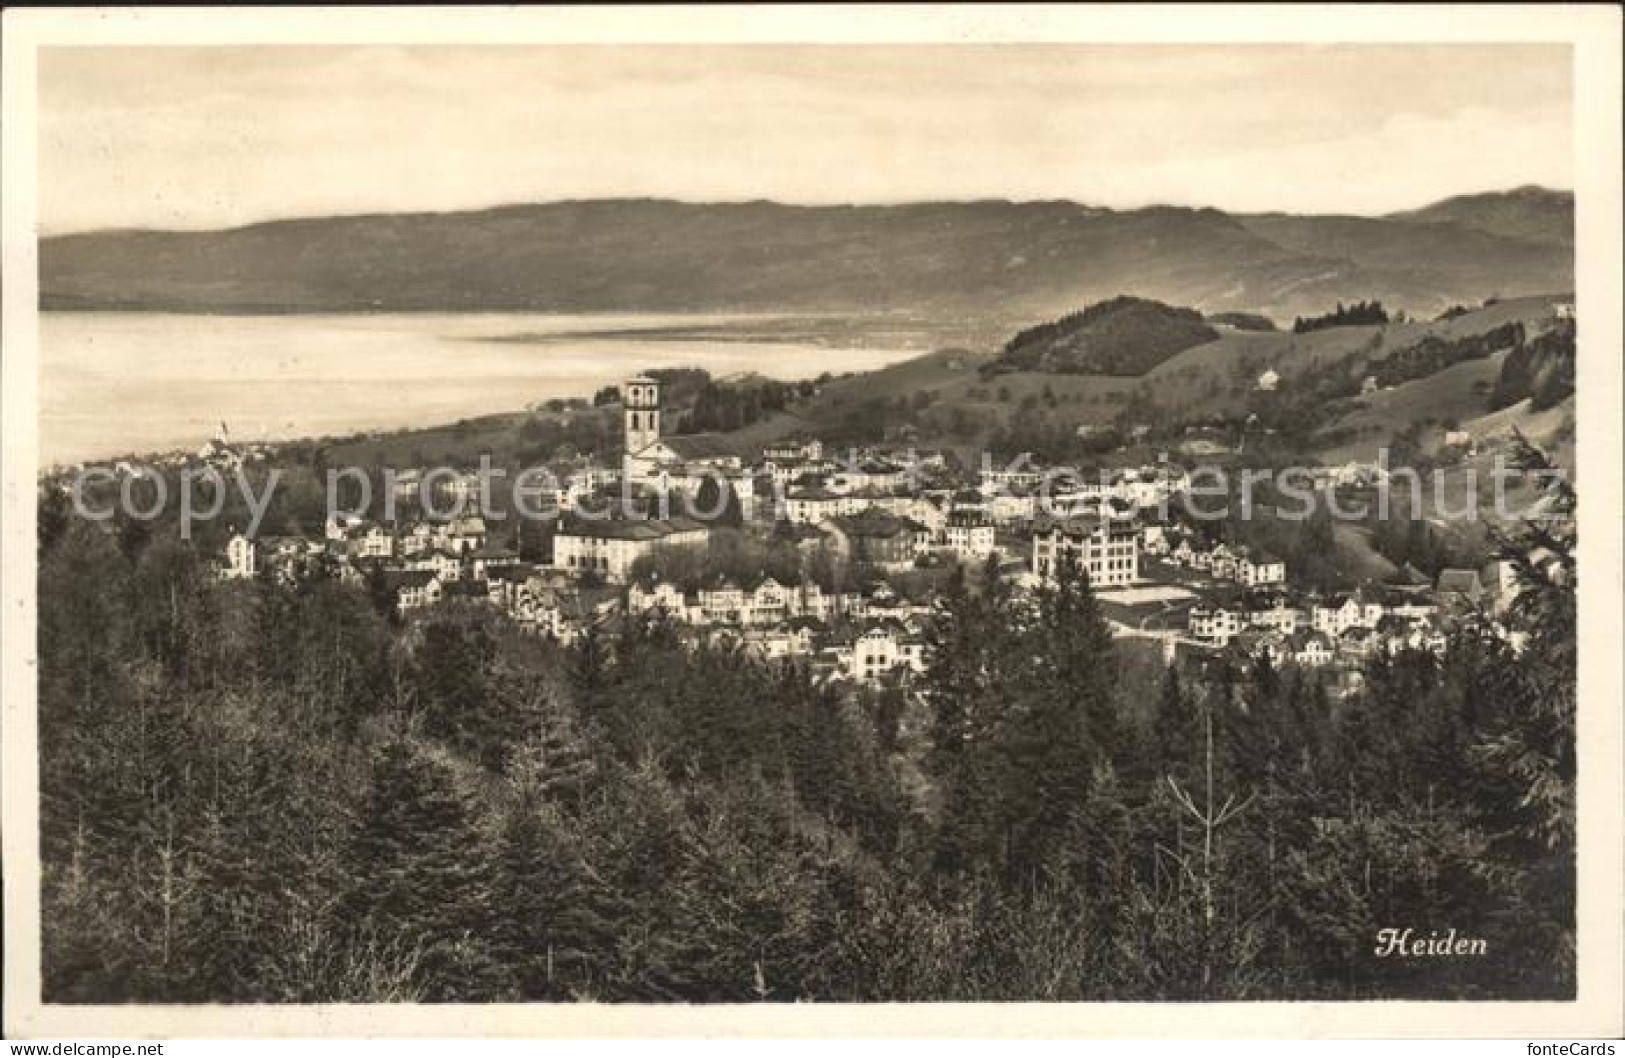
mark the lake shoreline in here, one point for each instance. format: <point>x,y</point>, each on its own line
<point>113,383</point>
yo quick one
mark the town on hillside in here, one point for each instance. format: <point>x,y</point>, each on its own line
<point>847,552</point>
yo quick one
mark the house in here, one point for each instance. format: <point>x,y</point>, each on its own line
<point>883,648</point>
<point>877,474</point>
<point>809,506</point>
<point>1222,561</point>
<point>805,633</point>
<point>1107,550</point>
<point>1342,612</point>
<point>723,602</point>
<point>1458,439</point>
<point>662,596</point>
<point>1280,617</point>
<point>464,534</point>
<point>769,643</point>
<point>1270,644</point>
<point>1016,505</point>
<point>768,603</point>
<point>461,488</point>
<point>1217,625</point>
<point>610,545</point>
<point>407,484</point>
<point>1397,633</point>
<point>376,542</point>
<point>504,581</point>
<point>1258,569</point>
<point>785,473</point>
<point>691,451</point>
<point>1411,607</point>
<point>240,558</point>
<point>1310,649</point>
<point>288,558</point>
<point>931,514</point>
<point>1358,642</point>
<point>808,599</point>
<point>564,613</point>
<point>1147,487</point>
<point>1018,475</point>
<point>969,535</point>
<point>442,563</point>
<point>413,588</point>
<point>883,602</point>
<point>487,560</point>
<point>420,538</point>
<point>340,526</point>
<point>878,537</point>
<point>795,447</point>
<point>689,482</point>
<point>1074,495</point>
<point>796,638</point>
<point>1154,539</point>
<point>1268,380</point>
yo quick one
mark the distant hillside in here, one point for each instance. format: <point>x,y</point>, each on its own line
<point>987,260</point>
<point>1532,214</point>
<point>1398,259</point>
<point>1124,336</point>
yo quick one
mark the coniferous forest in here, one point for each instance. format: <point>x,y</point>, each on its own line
<point>258,792</point>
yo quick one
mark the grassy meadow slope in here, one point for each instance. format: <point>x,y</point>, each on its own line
<point>1214,377</point>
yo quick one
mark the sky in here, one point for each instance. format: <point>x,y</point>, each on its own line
<point>206,137</point>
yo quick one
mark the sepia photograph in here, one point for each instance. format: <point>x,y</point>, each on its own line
<point>618,523</point>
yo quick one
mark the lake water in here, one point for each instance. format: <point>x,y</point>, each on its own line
<point>115,383</point>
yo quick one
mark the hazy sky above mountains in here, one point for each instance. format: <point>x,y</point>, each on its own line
<point>210,137</point>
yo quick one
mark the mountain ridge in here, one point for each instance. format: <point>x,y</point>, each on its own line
<point>987,257</point>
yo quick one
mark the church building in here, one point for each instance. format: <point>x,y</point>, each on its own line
<point>676,464</point>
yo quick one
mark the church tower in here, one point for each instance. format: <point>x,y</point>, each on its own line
<point>640,397</point>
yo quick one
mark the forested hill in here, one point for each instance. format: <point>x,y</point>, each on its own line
<point>1123,336</point>
<point>1012,261</point>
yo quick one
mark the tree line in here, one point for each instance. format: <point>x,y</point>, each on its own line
<point>1359,313</point>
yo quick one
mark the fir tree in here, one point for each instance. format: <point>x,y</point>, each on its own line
<point>420,870</point>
